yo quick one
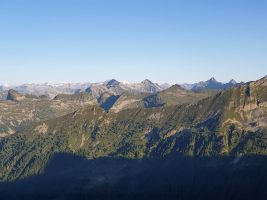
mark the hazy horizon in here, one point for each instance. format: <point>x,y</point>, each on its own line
<point>122,81</point>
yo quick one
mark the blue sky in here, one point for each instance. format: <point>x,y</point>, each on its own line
<point>173,41</point>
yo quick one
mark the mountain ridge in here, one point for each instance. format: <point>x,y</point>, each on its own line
<point>211,84</point>
<point>228,123</point>
<point>112,85</point>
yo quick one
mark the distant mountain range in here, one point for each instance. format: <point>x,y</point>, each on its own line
<point>211,84</point>
<point>50,90</point>
<point>112,87</point>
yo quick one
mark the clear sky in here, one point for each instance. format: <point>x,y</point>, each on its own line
<point>172,41</point>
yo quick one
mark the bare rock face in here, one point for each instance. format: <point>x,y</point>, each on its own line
<point>107,100</point>
<point>112,83</point>
<point>13,95</point>
<point>150,87</point>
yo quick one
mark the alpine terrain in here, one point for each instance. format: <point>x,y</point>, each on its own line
<point>120,141</point>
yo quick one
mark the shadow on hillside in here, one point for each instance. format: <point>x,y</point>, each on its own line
<point>70,177</point>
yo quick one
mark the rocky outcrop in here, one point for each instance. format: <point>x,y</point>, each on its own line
<point>13,95</point>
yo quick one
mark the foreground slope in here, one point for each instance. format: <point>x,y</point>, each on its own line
<point>73,177</point>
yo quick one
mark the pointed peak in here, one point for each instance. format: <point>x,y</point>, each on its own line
<point>212,79</point>
<point>165,86</point>
<point>176,87</point>
<point>111,83</point>
<point>146,81</point>
<point>232,81</point>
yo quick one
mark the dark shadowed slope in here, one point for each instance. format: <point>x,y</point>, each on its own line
<point>72,177</point>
